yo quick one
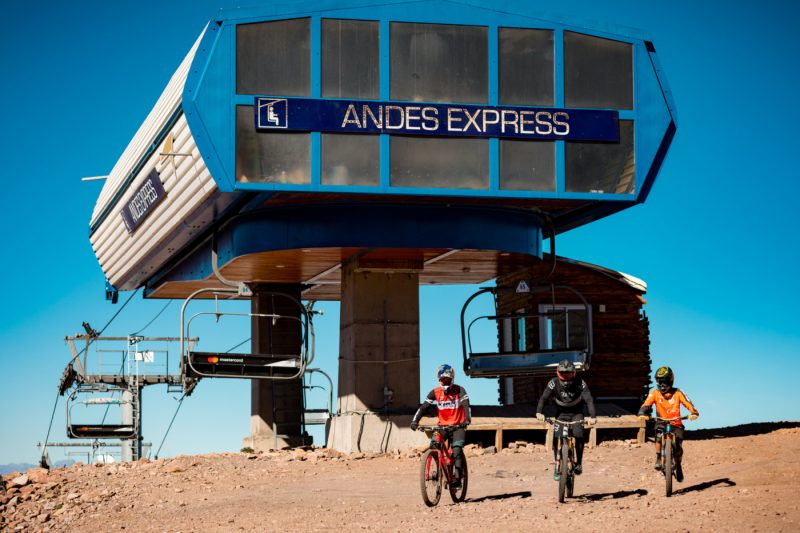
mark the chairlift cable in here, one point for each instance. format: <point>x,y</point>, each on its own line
<point>42,460</point>
<point>180,402</point>
<point>154,318</point>
<point>229,350</point>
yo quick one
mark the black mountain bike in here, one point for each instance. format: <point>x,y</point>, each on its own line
<point>565,459</point>
<point>667,450</point>
<point>437,467</point>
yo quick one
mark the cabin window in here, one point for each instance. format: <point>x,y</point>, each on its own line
<point>439,162</point>
<point>563,327</point>
<point>527,165</point>
<point>439,63</point>
<point>270,157</point>
<point>602,167</point>
<point>526,67</point>
<point>598,72</point>
<point>350,59</point>
<point>274,58</point>
<point>350,159</point>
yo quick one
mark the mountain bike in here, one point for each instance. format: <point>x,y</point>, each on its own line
<point>565,459</point>
<point>437,467</point>
<point>667,447</point>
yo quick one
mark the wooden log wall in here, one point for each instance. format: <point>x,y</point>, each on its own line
<point>621,362</point>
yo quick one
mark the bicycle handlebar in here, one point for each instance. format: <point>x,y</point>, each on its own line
<point>670,419</point>
<point>565,422</point>
<point>442,428</point>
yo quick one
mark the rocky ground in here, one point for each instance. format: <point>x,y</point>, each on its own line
<point>746,480</point>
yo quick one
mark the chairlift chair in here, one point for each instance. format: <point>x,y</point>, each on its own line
<point>527,361</point>
<point>101,430</point>
<point>197,364</point>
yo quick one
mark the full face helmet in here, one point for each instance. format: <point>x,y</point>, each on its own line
<point>664,378</point>
<point>566,371</point>
<point>445,375</point>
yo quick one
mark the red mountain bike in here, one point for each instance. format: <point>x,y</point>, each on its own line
<point>437,466</point>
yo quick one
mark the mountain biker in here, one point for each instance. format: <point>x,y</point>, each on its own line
<point>451,403</point>
<point>668,400</point>
<point>569,393</point>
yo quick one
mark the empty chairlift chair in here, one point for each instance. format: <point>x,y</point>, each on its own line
<point>197,364</point>
<point>96,426</point>
<point>555,342</point>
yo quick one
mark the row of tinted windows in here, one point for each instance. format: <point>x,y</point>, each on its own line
<point>429,162</point>
<point>432,63</point>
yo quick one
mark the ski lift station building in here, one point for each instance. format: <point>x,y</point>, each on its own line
<point>354,151</point>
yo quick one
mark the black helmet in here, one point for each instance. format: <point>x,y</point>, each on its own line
<point>665,378</point>
<point>566,371</point>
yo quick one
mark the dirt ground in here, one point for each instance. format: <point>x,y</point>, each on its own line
<point>737,479</point>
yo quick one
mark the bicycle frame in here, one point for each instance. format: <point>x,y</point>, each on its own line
<point>444,451</point>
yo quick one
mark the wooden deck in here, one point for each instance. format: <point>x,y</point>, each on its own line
<point>516,417</point>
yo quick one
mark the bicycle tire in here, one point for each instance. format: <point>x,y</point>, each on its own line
<point>668,467</point>
<point>562,481</point>
<point>571,475</point>
<point>458,495</point>
<point>430,478</point>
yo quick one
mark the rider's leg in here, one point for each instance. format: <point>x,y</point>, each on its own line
<point>459,439</point>
<point>678,454</point>
<point>577,432</point>
<point>659,431</point>
<point>556,431</point>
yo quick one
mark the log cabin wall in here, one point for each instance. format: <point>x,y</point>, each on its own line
<point>620,366</point>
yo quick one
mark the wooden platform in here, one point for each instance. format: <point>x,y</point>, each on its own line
<point>515,417</point>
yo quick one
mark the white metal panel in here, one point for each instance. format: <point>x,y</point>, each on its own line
<point>165,107</point>
<point>188,186</point>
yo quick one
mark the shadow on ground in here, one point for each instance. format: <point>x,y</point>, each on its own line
<point>611,495</point>
<point>492,497</point>
<point>744,430</point>
<point>706,485</point>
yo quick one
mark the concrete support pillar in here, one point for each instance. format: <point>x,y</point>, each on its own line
<point>276,406</point>
<point>378,359</point>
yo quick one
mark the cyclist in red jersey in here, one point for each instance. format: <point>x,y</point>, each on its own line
<point>668,401</point>
<point>451,404</point>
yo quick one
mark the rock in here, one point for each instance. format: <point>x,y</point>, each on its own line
<point>13,501</point>
<point>19,481</point>
<point>38,475</point>
<point>174,468</point>
<point>73,496</point>
<point>490,450</point>
<point>42,518</point>
<point>357,455</point>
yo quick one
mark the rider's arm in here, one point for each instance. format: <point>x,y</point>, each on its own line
<point>548,391</point>
<point>688,404</point>
<point>587,397</point>
<point>465,405</point>
<point>651,399</point>
<point>427,406</point>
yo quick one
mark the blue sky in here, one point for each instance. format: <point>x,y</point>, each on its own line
<point>716,241</point>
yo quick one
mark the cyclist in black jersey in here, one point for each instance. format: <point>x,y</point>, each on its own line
<point>569,393</point>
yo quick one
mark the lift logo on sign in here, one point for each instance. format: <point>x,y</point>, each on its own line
<point>140,205</point>
<point>272,114</point>
<point>451,120</point>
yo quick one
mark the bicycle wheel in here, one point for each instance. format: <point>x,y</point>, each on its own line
<point>564,473</point>
<point>668,465</point>
<point>459,494</point>
<point>571,475</point>
<point>430,478</point>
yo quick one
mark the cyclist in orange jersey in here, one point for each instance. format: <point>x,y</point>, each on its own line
<point>451,403</point>
<point>668,401</point>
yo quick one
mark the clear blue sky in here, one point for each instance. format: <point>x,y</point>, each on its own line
<point>716,241</point>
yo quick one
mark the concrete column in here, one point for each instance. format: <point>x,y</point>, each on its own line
<point>276,406</point>
<point>378,359</point>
